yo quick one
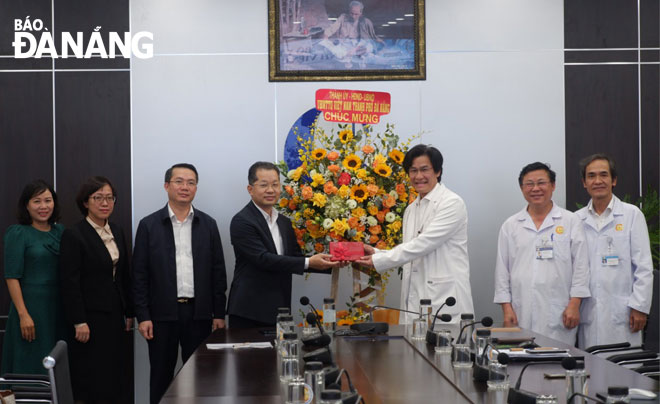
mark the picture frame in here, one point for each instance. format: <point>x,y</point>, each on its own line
<point>346,40</point>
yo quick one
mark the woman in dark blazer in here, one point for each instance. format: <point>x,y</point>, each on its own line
<point>95,285</point>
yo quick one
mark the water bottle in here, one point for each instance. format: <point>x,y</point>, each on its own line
<point>284,326</point>
<point>483,339</point>
<point>289,348</point>
<point>315,378</point>
<point>576,382</point>
<point>426,311</point>
<point>281,312</point>
<point>617,394</point>
<point>466,337</point>
<point>329,315</point>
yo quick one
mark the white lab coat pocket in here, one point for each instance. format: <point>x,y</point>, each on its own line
<point>439,288</point>
<point>555,316</point>
<point>619,310</point>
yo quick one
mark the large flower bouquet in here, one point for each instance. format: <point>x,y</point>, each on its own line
<point>349,186</point>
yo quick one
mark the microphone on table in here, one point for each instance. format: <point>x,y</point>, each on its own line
<point>430,335</point>
<point>486,322</point>
<point>347,397</point>
<point>516,394</point>
<point>480,373</point>
<point>321,339</point>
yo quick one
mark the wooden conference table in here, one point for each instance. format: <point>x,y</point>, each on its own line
<point>390,369</point>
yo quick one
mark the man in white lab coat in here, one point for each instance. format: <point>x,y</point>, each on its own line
<point>434,252</point>
<point>619,259</point>
<point>542,269</point>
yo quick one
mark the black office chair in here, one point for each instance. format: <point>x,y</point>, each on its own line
<point>28,388</point>
<point>57,363</point>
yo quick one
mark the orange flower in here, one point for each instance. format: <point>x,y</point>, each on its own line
<point>368,149</point>
<point>400,189</point>
<point>318,247</point>
<point>307,192</point>
<point>318,154</point>
<point>284,202</point>
<point>353,222</point>
<point>388,201</point>
<point>359,192</point>
<point>381,216</point>
<point>373,239</point>
<point>396,156</point>
<point>373,189</point>
<point>334,168</point>
<point>292,204</point>
<point>381,245</point>
<point>288,189</point>
<point>332,156</point>
<point>315,230</point>
<point>375,230</point>
<point>329,188</point>
<point>372,209</point>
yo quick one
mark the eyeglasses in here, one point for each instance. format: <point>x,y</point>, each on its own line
<point>264,186</point>
<point>423,170</point>
<point>100,198</point>
<point>531,184</point>
<point>179,183</point>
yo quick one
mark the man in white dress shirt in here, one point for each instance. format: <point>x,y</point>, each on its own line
<point>179,279</point>
<point>434,252</point>
<point>619,258</point>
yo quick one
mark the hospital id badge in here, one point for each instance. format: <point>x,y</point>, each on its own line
<point>610,260</point>
<point>543,253</point>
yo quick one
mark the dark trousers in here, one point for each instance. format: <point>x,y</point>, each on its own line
<point>242,322</point>
<point>164,347</point>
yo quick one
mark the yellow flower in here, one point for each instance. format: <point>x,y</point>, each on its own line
<point>396,156</point>
<point>344,191</point>
<point>318,154</point>
<point>383,170</point>
<point>359,192</point>
<point>346,136</point>
<point>284,203</point>
<point>359,212</point>
<point>299,171</point>
<point>352,162</point>
<point>379,159</point>
<point>340,226</point>
<point>317,179</point>
<point>372,209</point>
<point>361,173</point>
<point>358,236</point>
<point>395,226</point>
<point>319,200</point>
<point>308,213</point>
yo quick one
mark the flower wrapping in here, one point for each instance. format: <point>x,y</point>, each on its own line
<point>346,250</point>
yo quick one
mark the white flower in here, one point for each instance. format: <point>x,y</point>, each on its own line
<point>371,221</point>
<point>312,173</point>
<point>351,204</point>
<point>327,223</point>
<point>390,217</point>
<point>393,194</point>
<point>290,173</point>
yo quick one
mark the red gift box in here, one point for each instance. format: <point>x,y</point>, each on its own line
<point>346,250</point>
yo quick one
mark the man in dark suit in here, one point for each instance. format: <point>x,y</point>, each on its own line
<point>266,254</point>
<point>179,278</point>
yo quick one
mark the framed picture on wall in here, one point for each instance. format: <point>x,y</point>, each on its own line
<point>336,40</point>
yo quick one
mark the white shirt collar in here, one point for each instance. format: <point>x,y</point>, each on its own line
<point>104,228</point>
<point>173,217</point>
<point>269,218</point>
<point>607,210</point>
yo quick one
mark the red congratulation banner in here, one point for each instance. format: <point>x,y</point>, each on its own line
<point>348,106</point>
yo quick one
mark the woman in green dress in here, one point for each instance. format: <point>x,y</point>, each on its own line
<point>31,255</point>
